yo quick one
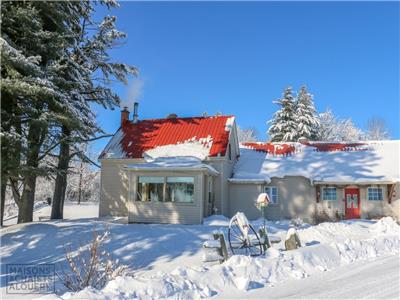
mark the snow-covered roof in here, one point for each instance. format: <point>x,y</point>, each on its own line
<point>199,137</point>
<point>363,162</point>
<point>173,164</point>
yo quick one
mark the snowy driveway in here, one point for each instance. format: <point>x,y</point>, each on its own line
<point>378,279</point>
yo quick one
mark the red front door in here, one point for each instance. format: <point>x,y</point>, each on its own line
<point>352,203</point>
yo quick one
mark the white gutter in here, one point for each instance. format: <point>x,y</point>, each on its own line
<point>209,170</point>
<point>248,181</point>
<point>355,182</point>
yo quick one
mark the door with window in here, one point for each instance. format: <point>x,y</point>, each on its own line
<point>352,203</point>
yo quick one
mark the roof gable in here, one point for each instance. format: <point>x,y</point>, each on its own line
<point>197,136</point>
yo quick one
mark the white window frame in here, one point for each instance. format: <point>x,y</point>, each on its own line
<point>323,193</point>
<point>377,188</point>
<point>270,194</point>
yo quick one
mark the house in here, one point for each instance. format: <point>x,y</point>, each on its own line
<point>180,170</point>
<point>172,170</point>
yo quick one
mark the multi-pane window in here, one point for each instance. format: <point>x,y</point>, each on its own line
<point>329,193</point>
<point>150,189</point>
<point>375,194</point>
<point>168,189</point>
<point>180,189</point>
<point>272,192</point>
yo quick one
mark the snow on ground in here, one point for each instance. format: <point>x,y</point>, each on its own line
<point>71,211</point>
<point>167,259</point>
<point>378,279</point>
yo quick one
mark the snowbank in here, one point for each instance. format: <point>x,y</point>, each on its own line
<point>216,220</point>
<point>328,245</point>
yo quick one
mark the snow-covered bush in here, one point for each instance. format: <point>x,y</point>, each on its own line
<point>321,215</point>
<point>90,266</point>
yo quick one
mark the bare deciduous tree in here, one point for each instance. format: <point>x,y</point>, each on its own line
<point>377,130</point>
<point>249,134</point>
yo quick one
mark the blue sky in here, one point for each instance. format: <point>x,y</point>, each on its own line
<point>237,57</point>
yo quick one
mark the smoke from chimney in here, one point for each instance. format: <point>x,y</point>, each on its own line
<point>134,94</point>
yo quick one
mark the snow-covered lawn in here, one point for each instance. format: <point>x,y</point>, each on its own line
<point>42,211</point>
<point>167,259</point>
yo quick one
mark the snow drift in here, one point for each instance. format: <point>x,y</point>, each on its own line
<point>328,245</point>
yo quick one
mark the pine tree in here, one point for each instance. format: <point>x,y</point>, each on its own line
<point>283,125</point>
<point>89,71</point>
<point>48,68</point>
<point>306,118</point>
<point>33,39</point>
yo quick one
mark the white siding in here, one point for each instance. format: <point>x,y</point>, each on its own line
<point>113,189</point>
<point>369,209</point>
<point>296,198</point>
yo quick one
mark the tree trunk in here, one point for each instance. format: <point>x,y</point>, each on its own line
<point>80,183</point>
<point>35,140</point>
<point>57,210</point>
<point>25,213</point>
<point>3,198</point>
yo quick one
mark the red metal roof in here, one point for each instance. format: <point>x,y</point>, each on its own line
<point>329,147</point>
<point>274,149</point>
<point>149,134</point>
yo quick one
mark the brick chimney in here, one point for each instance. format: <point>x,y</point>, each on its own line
<point>124,115</point>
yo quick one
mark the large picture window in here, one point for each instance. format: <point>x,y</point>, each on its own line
<point>375,194</point>
<point>329,194</point>
<point>150,189</point>
<point>272,192</point>
<point>168,189</point>
<point>180,189</point>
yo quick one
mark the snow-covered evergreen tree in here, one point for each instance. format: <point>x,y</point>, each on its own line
<point>283,125</point>
<point>248,135</point>
<point>34,37</point>
<point>306,117</point>
<point>55,64</point>
<point>89,72</point>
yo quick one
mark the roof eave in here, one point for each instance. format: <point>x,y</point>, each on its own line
<point>173,169</point>
<point>248,181</point>
<point>356,182</point>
